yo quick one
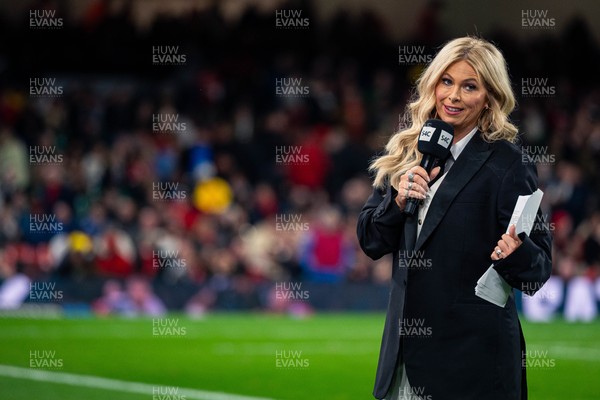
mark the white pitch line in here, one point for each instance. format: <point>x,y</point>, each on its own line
<point>113,384</point>
<point>575,353</point>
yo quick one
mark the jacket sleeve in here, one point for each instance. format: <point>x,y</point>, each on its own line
<point>380,224</point>
<point>530,265</point>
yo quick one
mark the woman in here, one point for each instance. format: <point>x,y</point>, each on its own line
<point>440,340</point>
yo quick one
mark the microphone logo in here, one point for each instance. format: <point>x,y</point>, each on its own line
<point>445,139</point>
<point>426,133</point>
<point>434,143</point>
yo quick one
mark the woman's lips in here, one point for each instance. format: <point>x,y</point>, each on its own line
<point>452,110</point>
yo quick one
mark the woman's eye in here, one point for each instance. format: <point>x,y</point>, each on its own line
<point>446,81</point>
<point>470,87</point>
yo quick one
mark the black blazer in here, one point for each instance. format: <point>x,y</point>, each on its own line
<point>462,347</point>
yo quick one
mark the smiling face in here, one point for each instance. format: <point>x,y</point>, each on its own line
<point>460,97</point>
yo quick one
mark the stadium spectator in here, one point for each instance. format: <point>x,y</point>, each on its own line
<point>137,299</point>
<point>325,254</point>
<point>14,284</point>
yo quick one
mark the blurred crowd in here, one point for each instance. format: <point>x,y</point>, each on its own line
<point>212,201</point>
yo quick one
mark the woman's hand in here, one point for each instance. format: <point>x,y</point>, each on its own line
<point>414,184</point>
<point>509,243</point>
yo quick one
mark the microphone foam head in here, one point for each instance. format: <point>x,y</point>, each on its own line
<point>436,138</point>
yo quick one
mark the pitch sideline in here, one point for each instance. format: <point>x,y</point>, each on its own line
<point>112,384</point>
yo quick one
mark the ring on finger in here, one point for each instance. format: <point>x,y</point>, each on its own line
<point>411,177</point>
<point>410,185</point>
<point>498,252</point>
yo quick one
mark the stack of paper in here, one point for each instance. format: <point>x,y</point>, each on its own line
<point>491,286</point>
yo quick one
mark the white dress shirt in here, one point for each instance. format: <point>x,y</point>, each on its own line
<point>455,150</point>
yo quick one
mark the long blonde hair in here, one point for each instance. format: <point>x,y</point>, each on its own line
<point>401,151</point>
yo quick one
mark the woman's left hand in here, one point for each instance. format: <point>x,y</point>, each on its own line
<point>509,243</point>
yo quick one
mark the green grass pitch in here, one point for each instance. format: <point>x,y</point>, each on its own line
<point>325,356</point>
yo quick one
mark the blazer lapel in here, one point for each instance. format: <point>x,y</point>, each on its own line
<point>468,163</point>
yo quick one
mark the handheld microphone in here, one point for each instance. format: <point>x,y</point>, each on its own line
<point>434,142</point>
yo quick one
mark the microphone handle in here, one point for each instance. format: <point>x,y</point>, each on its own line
<point>412,204</point>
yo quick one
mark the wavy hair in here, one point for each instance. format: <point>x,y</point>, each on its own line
<point>401,151</point>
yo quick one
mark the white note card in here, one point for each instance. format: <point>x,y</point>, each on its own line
<point>491,286</point>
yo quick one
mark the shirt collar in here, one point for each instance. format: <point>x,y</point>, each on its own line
<point>459,146</point>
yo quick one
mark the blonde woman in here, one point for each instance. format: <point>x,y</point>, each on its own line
<point>440,340</point>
